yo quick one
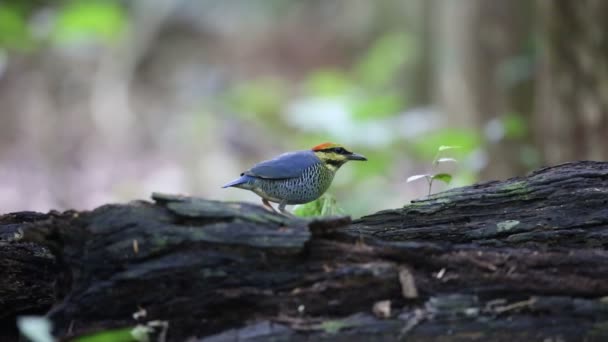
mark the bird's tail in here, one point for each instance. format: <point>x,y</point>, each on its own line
<point>240,181</point>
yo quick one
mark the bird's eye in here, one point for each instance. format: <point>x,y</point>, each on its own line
<point>341,150</point>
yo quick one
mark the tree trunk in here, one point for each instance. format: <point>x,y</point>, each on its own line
<point>572,109</point>
<point>523,259</point>
<point>480,44</point>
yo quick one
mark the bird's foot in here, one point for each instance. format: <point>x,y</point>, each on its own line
<point>268,206</point>
<point>284,211</point>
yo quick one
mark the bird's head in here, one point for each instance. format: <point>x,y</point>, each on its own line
<point>334,155</point>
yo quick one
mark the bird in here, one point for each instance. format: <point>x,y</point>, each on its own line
<point>295,177</point>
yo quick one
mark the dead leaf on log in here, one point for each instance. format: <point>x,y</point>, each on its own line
<point>382,309</point>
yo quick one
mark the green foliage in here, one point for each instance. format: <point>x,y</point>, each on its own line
<point>515,126</point>
<point>380,164</point>
<point>14,32</point>
<point>370,92</point>
<point>84,21</point>
<point>323,206</point>
<point>261,98</point>
<point>374,107</point>
<point>117,335</point>
<point>465,140</point>
<point>383,61</point>
<point>38,329</point>
<point>443,177</point>
<point>445,148</point>
<point>464,177</point>
<point>328,83</point>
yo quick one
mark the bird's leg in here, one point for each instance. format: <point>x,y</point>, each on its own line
<point>268,205</point>
<point>283,210</point>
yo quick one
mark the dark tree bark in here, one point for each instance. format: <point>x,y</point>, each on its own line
<point>523,259</point>
<point>28,273</point>
<point>572,107</point>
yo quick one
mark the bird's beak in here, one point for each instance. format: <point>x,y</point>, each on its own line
<point>356,156</point>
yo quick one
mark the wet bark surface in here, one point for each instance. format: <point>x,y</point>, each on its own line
<point>522,259</point>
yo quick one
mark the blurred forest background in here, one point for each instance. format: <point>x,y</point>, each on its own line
<point>105,101</point>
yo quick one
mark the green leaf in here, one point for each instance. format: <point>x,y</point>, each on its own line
<point>325,205</point>
<point>416,177</point>
<point>328,83</point>
<point>444,177</point>
<point>310,209</point>
<point>117,335</point>
<point>90,20</point>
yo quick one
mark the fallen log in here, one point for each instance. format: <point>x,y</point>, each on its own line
<point>28,273</point>
<point>522,259</point>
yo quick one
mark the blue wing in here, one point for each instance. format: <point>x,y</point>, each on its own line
<point>287,165</point>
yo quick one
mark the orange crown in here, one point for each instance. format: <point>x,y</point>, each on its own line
<point>324,146</point>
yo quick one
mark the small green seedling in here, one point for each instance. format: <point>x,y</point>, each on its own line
<point>432,176</point>
<point>322,206</point>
